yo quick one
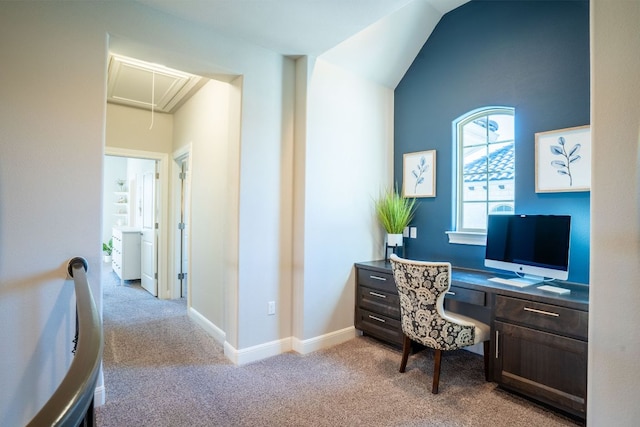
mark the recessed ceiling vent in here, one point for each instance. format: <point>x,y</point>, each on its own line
<point>150,86</point>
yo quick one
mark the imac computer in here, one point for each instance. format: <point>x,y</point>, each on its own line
<point>535,247</point>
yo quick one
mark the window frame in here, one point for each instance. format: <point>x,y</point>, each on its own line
<point>460,235</point>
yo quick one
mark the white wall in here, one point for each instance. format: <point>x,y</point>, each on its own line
<point>347,160</point>
<point>203,122</point>
<point>614,341</point>
<point>130,128</point>
<point>264,199</point>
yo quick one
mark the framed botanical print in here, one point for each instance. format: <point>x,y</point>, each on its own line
<point>563,160</point>
<point>419,174</point>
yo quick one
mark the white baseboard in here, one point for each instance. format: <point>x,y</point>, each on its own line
<point>324,341</point>
<point>273,348</point>
<point>257,352</point>
<point>217,333</point>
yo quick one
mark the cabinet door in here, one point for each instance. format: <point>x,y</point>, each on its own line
<point>545,366</point>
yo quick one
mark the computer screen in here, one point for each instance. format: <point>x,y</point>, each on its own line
<point>536,246</point>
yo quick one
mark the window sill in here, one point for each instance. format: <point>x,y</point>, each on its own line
<point>467,238</point>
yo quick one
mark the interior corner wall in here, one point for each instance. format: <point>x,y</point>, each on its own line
<point>614,344</point>
<point>303,68</point>
<point>232,218</point>
<point>347,162</point>
<point>264,199</point>
<point>530,55</point>
<point>203,121</point>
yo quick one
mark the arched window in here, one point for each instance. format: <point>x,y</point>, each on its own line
<point>485,167</point>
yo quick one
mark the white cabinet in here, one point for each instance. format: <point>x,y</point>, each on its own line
<point>126,253</point>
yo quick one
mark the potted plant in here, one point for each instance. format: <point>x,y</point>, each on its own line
<point>107,248</point>
<point>394,212</point>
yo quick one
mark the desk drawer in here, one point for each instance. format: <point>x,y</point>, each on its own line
<point>561,320</point>
<point>379,326</point>
<point>379,302</point>
<point>469,296</point>
<point>377,280</point>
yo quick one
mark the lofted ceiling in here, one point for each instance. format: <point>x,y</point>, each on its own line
<point>291,27</point>
<point>374,38</point>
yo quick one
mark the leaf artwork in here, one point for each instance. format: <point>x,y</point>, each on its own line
<point>418,173</point>
<point>564,166</point>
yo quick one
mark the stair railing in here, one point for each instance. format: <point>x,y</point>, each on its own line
<point>72,404</point>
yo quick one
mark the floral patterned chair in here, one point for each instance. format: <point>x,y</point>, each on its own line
<point>422,287</point>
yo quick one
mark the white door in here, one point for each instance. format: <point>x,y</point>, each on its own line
<point>148,257</point>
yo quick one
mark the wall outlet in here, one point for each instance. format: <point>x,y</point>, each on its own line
<point>413,232</point>
<point>271,308</point>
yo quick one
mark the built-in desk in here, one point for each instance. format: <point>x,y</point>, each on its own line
<point>538,339</point>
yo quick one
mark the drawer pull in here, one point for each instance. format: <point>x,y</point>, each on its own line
<point>497,343</point>
<point>384,279</point>
<point>375,294</point>
<point>377,318</point>
<point>546,313</point>
<point>450,293</point>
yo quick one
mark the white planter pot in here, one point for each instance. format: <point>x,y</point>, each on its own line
<point>107,258</point>
<point>394,239</point>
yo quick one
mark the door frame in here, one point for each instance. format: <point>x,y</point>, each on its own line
<point>181,153</point>
<point>162,208</point>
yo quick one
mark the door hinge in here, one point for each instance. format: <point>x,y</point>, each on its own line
<point>157,175</point>
<point>182,276</point>
<point>182,175</point>
<point>155,276</point>
<point>157,226</point>
<point>181,226</point>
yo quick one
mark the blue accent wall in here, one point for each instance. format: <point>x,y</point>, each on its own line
<point>530,55</point>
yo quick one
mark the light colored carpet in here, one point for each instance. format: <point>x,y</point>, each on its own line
<point>163,370</point>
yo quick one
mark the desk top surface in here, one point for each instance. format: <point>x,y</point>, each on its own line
<point>479,280</point>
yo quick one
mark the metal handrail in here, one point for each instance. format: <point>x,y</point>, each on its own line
<point>72,402</point>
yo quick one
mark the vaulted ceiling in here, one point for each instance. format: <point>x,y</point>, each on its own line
<point>292,27</point>
<point>376,39</point>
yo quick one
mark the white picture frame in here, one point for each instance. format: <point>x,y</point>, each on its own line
<point>419,174</point>
<point>563,160</point>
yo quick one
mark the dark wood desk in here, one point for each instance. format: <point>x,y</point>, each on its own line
<point>538,338</point>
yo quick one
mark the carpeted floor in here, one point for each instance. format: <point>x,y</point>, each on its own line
<point>163,370</point>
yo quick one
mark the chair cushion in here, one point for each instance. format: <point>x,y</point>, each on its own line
<point>482,330</point>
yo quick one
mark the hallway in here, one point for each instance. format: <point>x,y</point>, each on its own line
<point>154,357</point>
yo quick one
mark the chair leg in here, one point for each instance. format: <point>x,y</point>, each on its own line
<point>487,350</point>
<point>406,348</point>
<point>436,371</point>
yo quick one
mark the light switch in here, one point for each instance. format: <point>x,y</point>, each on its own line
<point>413,232</point>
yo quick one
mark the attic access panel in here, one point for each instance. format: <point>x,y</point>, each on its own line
<point>139,84</point>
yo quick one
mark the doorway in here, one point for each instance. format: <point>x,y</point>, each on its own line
<point>139,207</point>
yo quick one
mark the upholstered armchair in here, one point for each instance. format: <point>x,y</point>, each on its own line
<point>422,287</point>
